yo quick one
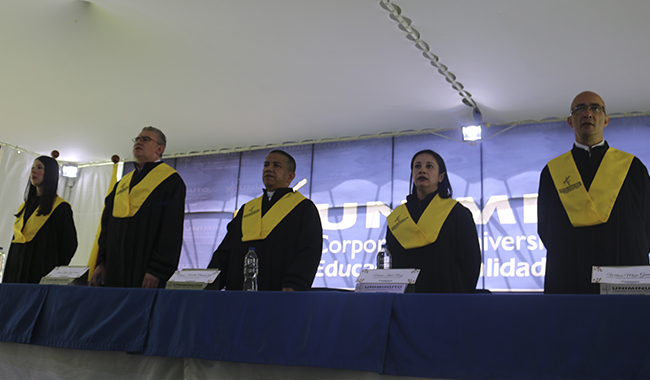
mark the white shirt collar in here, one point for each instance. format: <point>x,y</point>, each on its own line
<point>587,148</point>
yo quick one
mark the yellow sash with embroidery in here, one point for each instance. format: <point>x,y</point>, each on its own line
<point>127,203</point>
<point>256,227</point>
<point>593,207</point>
<point>33,224</point>
<point>425,232</point>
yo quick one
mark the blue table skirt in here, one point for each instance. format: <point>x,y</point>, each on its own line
<point>20,305</point>
<point>510,336</point>
<point>489,336</point>
<point>324,329</point>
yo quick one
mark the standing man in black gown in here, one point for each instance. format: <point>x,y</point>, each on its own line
<point>282,225</point>
<point>142,224</point>
<point>593,205</point>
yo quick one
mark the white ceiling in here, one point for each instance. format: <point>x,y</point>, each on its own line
<point>84,77</point>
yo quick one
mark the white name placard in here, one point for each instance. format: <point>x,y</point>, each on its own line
<point>389,276</point>
<point>639,274</point>
<point>192,278</point>
<point>628,289</point>
<point>365,287</point>
<point>65,275</point>
<point>385,280</point>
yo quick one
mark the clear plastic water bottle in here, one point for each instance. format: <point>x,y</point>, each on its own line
<point>250,270</point>
<point>383,258</point>
<point>3,259</point>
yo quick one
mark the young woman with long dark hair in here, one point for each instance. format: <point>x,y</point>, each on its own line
<point>44,233</point>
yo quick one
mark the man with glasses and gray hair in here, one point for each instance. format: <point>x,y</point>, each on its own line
<point>142,223</point>
<point>593,205</point>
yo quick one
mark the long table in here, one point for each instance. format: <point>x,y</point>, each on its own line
<point>478,336</point>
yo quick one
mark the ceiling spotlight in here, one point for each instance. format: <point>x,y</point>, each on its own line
<point>472,133</point>
<point>70,171</point>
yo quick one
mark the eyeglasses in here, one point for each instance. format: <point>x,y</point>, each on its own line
<point>594,108</point>
<point>144,140</point>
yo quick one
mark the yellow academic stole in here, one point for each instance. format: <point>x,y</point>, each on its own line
<point>593,207</point>
<point>33,224</point>
<point>256,227</point>
<point>127,203</point>
<point>425,232</point>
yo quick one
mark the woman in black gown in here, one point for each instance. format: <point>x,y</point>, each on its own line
<point>44,231</point>
<point>434,233</point>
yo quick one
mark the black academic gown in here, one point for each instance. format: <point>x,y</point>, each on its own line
<point>452,263</point>
<point>53,245</point>
<point>150,241</point>
<point>572,251</point>
<point>287,258</point>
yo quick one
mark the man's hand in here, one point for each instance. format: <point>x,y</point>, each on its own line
<point>150,281</point>
<point>98,275</point>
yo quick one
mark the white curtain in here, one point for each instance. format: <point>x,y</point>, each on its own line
<point>86,196</point>
<point>14,174</point>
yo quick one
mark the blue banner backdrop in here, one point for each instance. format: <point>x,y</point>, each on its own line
<point>356,184</point>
